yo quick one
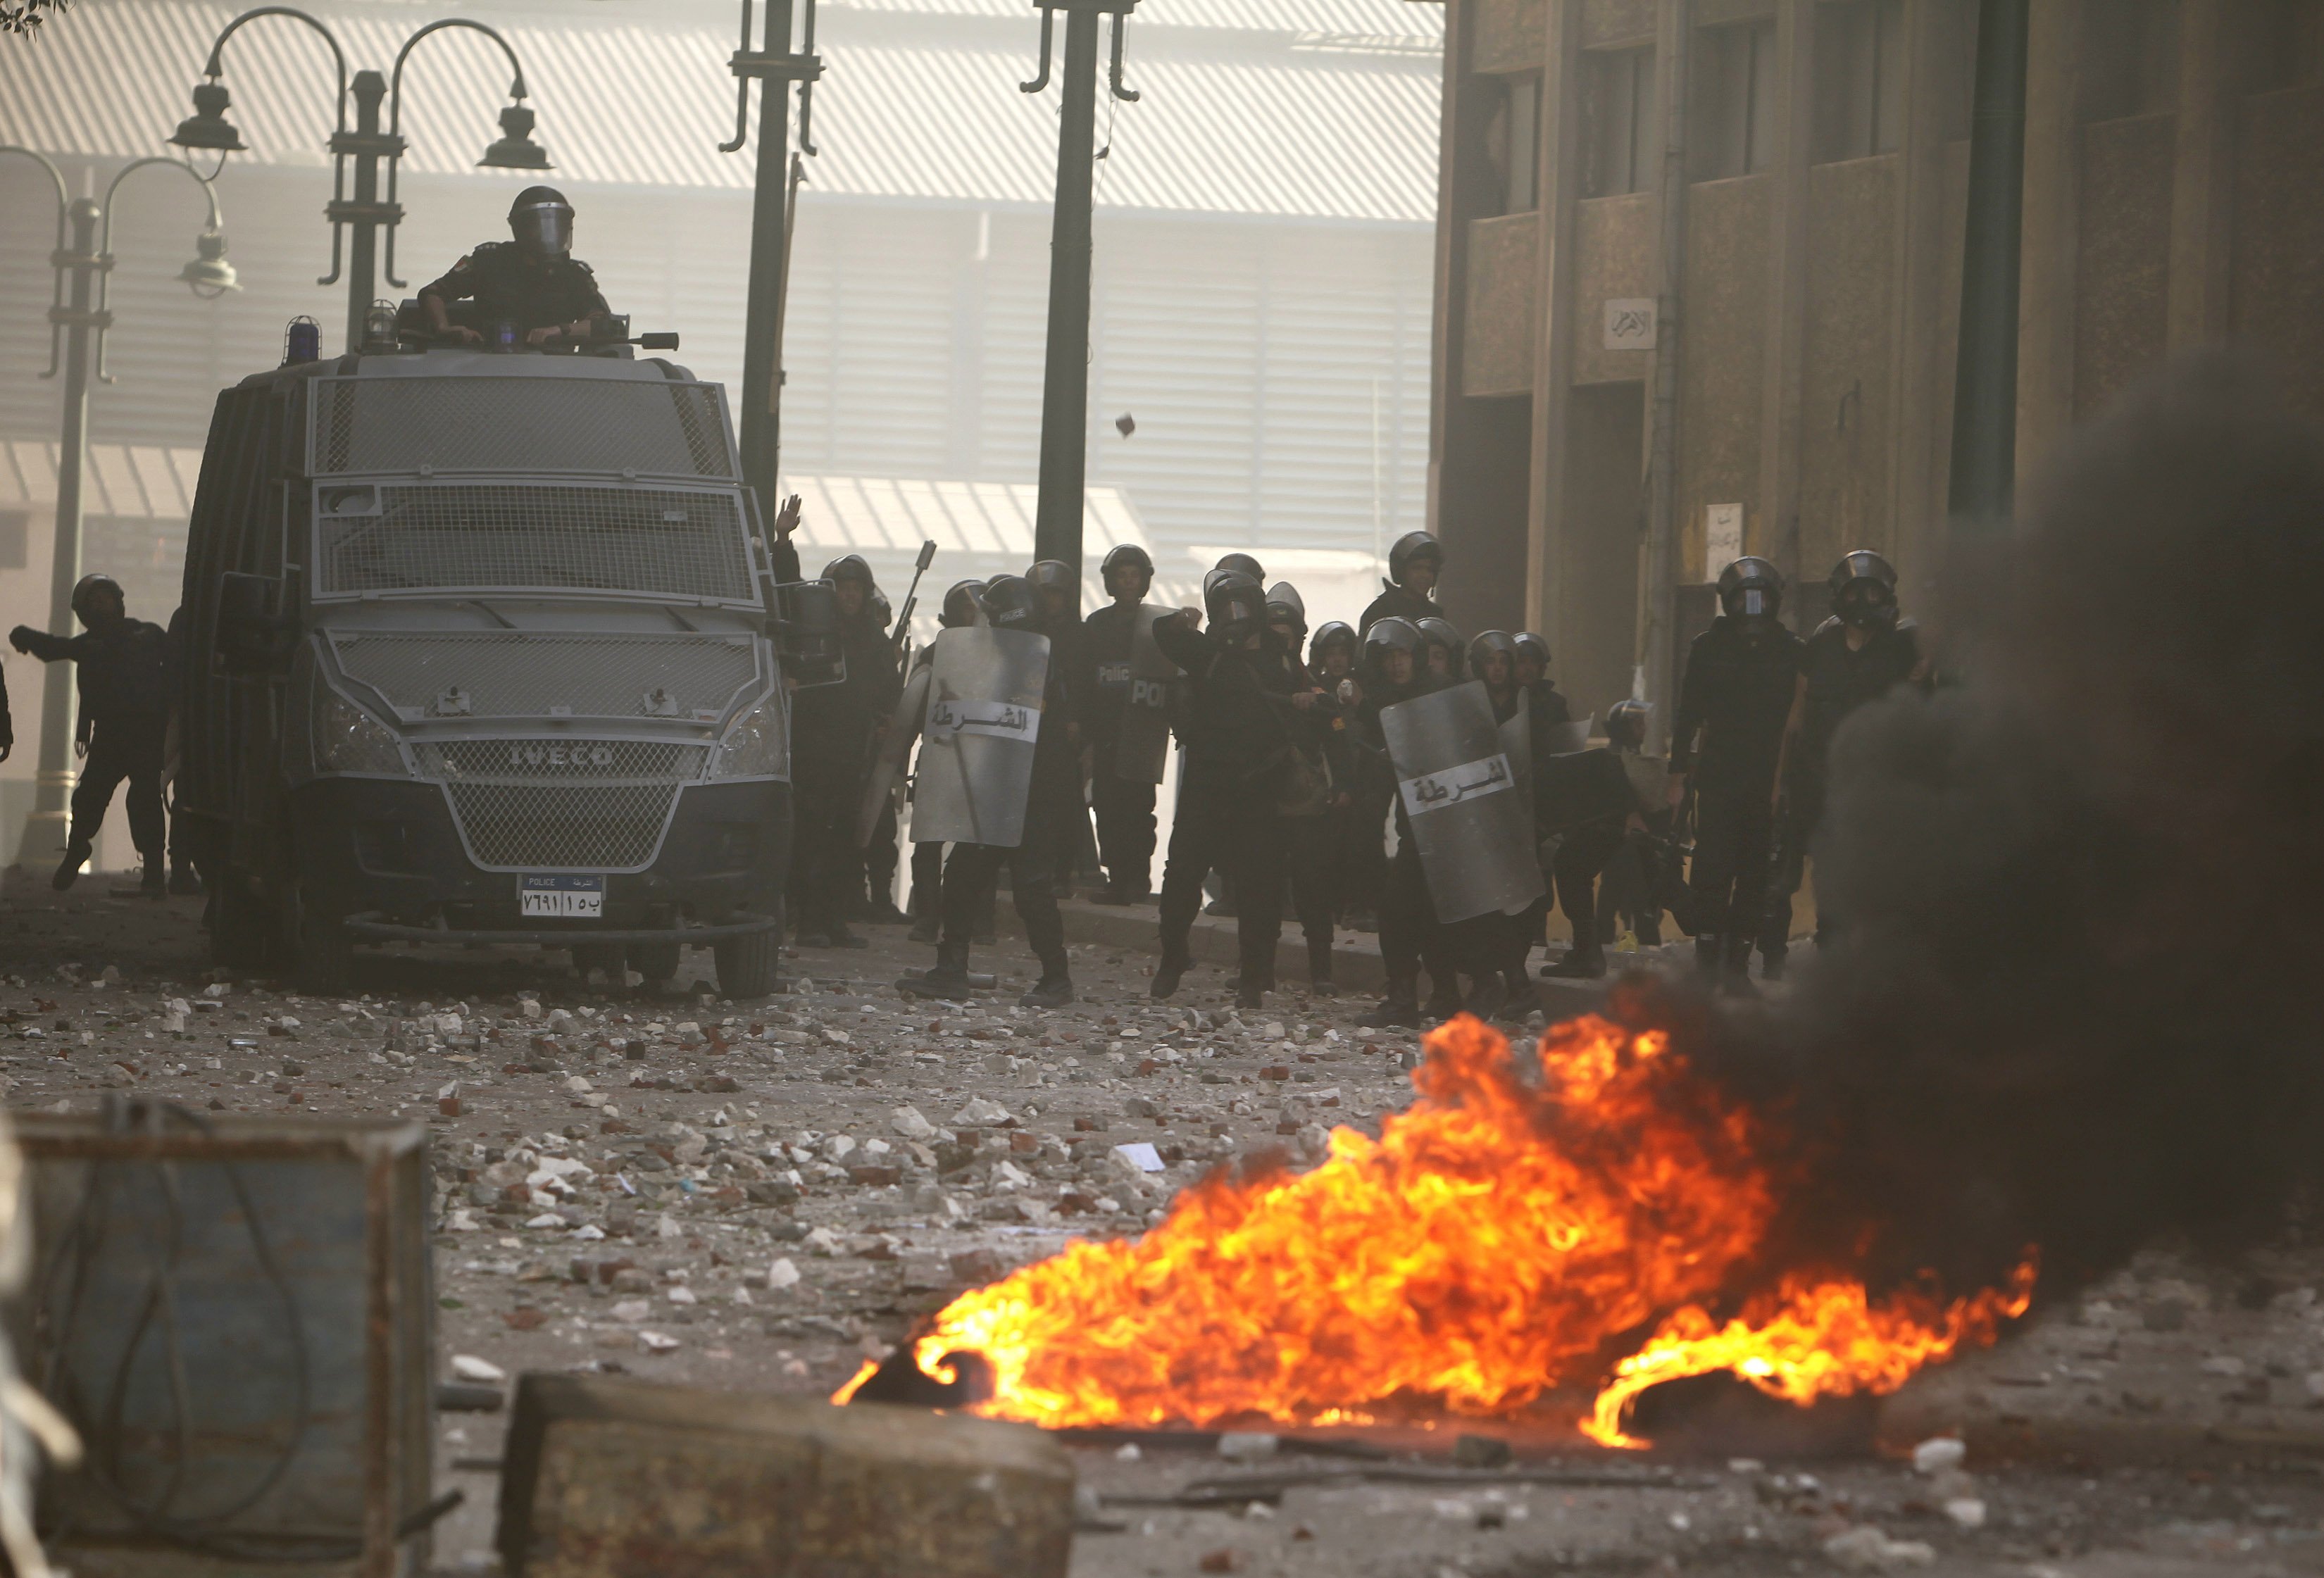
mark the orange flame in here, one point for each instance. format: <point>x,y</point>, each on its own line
<point>1486,1248</point>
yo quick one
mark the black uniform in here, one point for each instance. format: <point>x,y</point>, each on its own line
<point>1124,806</point>
<point>1316,774</point>
<point>1397,602</point>
<point>512,285</point>
<point>1545,709</point>
<point>1357,850</point>
<point>1738,694</point>
<point>832,728</point>
<point>1236,755</point>
<point>1410,936</point>
<point>1839,681</point>
<point>127,680</point>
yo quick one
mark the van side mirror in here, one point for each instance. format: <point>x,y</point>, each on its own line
<point>806,632</point>
<point>252,637</point>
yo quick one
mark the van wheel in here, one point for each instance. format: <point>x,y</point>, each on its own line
<point>747,964</point>
<point>240,926</point>
<point>657,962</point>
<point>326,952</point>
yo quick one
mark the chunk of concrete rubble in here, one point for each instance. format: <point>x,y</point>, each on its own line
<point>1866,1549</point>
<point>1966,1512</point>
<point>1247,1445</point>
<point>468,1367</point>
<point>782,1274</point>
<point>1938,1454</point>
<point>980,1113</point>
<point>908,1122</point>
<point>1139,1156</point>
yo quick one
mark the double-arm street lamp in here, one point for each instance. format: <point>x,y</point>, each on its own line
<point>365,212</point>
<point>83,264</point>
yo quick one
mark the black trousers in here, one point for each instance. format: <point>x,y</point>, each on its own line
<point>1628,886</point>
<point>130,749</point>
<point>1362,848</point>
<point>1410,934</point>
<point>1311,846</point>
<point>1124,809</point>
<point>1574,870</point>
<point>968,880</point>
<point>826,882</point>
<point>1733,835</point>
<point>880,860</point>
<point>1248,848</point>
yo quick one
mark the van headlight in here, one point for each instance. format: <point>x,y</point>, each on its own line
<point>758,744</point>
<point>348,739</point>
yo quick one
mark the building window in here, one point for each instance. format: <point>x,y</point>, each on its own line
<point>1617,121</point>
<point>1859,79</point>
<point>2130,59</point>
<point>1731,120</point>
<point>1513,143</point>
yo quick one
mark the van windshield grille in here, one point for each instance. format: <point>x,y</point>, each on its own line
<point>366,426</point>
<point>532,537</point>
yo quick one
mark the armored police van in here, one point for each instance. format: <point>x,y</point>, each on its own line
<point>483,647</point>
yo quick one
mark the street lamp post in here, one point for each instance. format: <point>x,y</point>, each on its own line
<point>773,214</point>
<point>78,312</point>
<point>366,212</point>
<point>1064,390</point>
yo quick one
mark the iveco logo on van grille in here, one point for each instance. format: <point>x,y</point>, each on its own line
<point>535,754</point>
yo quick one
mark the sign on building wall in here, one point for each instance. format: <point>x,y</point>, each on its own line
<point>1630,323</point>
<point>1722,537</point>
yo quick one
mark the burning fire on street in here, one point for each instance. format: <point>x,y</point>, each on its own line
<point>1510,1234</point>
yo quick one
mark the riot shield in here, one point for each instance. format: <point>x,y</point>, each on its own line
<point>1517,741</point>
<point>977,736</point>
<point>1573,736</point>
<point>888,763</point>
<point>1144,738</point>
<point>1473,828</point>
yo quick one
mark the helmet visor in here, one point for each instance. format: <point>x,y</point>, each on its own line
<point>1754,603</point>
<point>544,229</point>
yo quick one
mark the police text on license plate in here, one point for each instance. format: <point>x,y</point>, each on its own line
<point>569,898</point>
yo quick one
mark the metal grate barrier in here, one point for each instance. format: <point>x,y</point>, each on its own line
<point>526,673</point>
<point>562,805</point>
<point>524,424</point>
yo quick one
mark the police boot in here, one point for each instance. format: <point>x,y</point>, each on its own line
<point>1444,998</point>
<point>1771,966</point>
<point>1709,951</point>
<point>949,979</point>
<point>1487,995</point>
<point>1523,999</point>
<point>155,884</point>
<point>1399,1011</point>
<point>1054,988</point>
<point>1580,963</point>
<point>839,936</point>
<point>1168,972</point>
<point>1319,969</point>
<point>1250,993</point>
<point>183,882</point>
<point>68,871</point>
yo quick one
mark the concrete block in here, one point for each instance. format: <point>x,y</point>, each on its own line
<point>623,1479</point>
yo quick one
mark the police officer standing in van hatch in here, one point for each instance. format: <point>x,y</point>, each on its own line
<point>531,283</point>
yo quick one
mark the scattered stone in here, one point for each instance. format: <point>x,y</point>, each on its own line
<point>1247,1446</point>
<point>1865,1549</point>
<point>468,1367</point>
<point>1938,1454</point>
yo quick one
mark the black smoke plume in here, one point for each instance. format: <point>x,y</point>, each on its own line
<point>2076,1004</point>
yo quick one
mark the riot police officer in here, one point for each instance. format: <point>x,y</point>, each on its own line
<point>971,871</point>
<point>1357,858</point>
<point>1313,787</point>
<point>1409,934</point>
<point>835,729</point>
<point>1737,694</point>
<point>1235,745</point>
<point>961,608</point>
<point>1056,593</point>
<point>530,283</point>
<point>1414,561</point>
<point>1123,805</point>
<point>128,681</point>
<point>1443,649</point>
<point>1857,655</point>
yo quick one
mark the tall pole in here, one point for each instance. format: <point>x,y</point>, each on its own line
<point>1984,476</point>
<point>1065,391</point>
<point>365,214</point>
<point>1659,635</point>
<point>47,832</point>
<point>762,376</point>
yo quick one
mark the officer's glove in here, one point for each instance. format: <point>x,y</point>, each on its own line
<point>20,638</point>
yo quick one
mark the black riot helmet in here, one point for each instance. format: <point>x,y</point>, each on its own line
<point>1751,590</point>
<point>541,220</point>
<point>1626,724</point>
<point>1411,546</point>
<point>1233,604</point>
<point>851,567</point>
<point>963,605</point>
<point>84,591</point>
<point>1442,633</point>
<point>1863,587</point>
<point>1530,648</point>
<point>1051,575</point>
<point>1490,643</point>
<point>1285,606</point>
<point>1244,565</point>
<point>1127,558</point>
<point>1011,603</point>
<point>1386,636</point>
<point>1332,633</point>
<point>876,603</point>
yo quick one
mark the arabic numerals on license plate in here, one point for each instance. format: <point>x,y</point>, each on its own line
<point>559,895</point>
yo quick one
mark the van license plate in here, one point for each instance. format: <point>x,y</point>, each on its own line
<point>565,898</point>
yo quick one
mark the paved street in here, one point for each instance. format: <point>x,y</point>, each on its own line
<point>756,1195</point>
